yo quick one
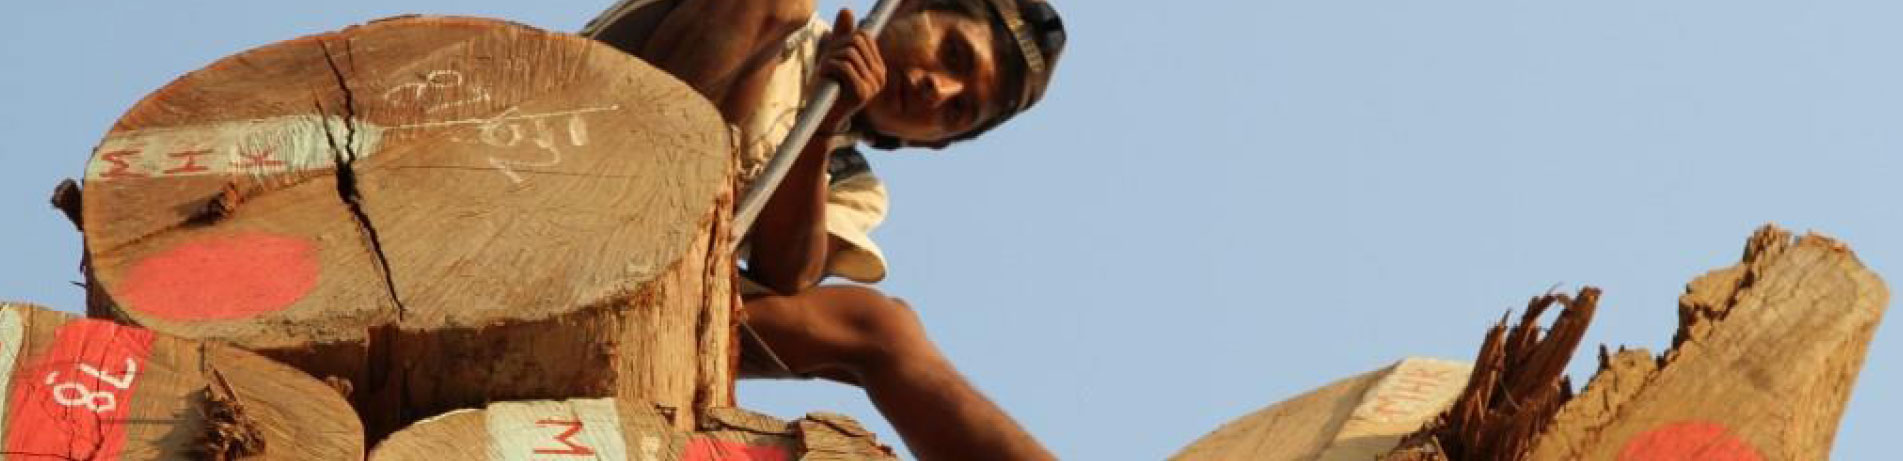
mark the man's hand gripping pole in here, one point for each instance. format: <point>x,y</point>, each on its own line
<point>815,112</point>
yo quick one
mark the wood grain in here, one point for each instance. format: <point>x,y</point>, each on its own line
<point>1352,419</point>
<point>439,211</point>
<point>1762,366</point>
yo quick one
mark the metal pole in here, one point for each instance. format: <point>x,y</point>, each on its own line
<point>762,188</point>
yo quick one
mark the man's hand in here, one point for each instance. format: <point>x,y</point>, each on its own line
<point>851,57</point>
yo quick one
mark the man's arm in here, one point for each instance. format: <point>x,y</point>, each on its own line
<point>790,242</point>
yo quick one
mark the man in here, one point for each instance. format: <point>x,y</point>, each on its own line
<point>942,71</point>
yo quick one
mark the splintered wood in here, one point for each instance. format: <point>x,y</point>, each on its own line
<point>436,212</point>
<point>1518,382</point>
<point>75,388</point>
<point>1760,368</point>
<point>618,429</point>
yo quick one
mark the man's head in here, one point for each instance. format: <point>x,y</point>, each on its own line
<point>956,68</point>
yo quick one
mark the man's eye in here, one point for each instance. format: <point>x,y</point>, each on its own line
<point>956,58</point>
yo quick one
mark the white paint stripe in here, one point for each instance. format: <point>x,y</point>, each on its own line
<point>547,430</point>
<point>12,334</point>
<point>256,147</point>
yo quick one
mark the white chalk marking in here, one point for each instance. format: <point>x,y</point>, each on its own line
<point>12,334</point>
<point>546,430</point>
<point>511,116</point>
<point>445,80</point>
<point>254,147</point>
<point>502,130</point>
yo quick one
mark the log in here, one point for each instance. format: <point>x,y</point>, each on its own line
<point>440,211</point>
<point>1761,367</point>
<point>1356,418</point>
<point>621,429</point>
<point>90,389</point>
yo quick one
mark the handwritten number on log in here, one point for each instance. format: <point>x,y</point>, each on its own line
<point>74,394</point>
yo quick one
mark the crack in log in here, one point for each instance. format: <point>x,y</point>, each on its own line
<point>382,349</point>
<point>347,190</point>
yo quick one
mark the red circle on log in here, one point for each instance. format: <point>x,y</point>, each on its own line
<point>1688,440</point>
<point>223,278</point>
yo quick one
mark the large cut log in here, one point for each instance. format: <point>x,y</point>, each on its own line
<point>620,429</point>
<point>74,388</point>
<point>1352,419</point>
<point>1761,367</point>
<point>440,211</point>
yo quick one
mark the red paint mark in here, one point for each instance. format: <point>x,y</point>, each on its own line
<point>120,167</point>
<point>74,400</point>
<point>257,158</point>
<point>1688,440</point>
<point>710,449</point>
<point>191,162</point>
<point>564,439</point>
<point>223,278</point>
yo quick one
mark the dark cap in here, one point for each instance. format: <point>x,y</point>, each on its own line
<point>1039,35</point>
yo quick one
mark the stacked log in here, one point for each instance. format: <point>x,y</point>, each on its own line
<point>620,429</point>
<point>1356,418</point>
<point>440,212</point>
<point>91,389</point>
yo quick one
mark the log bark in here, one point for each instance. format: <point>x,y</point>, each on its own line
<point>1353,419</point>
<point>621,429</point>
<point>1761,367</point>
<point>90,389</point>
<point>440,211</point>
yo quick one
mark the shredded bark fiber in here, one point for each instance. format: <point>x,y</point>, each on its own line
<point>1517,385</point>
<point>230,432</point>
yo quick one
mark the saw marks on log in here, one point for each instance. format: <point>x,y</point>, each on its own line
<point>442,211</point>
<point>91,389</point>
<point>617,429</point>
<point>1761,367</point>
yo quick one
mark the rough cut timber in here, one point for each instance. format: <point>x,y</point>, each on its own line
<point>440,211</point>
<point>74,388</point>
<point>1357,418</point>
<point>618,429</point>
<point>1763,362</point>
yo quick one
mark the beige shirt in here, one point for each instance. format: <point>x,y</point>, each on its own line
<point>855,199</point>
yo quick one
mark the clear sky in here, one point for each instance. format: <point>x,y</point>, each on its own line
<point>1223,204</point>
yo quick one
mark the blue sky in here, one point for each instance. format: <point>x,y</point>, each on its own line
<point>1222,204</point>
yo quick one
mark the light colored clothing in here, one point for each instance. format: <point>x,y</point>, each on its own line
<point>856,200</point>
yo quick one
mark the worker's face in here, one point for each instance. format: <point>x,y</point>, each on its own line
<point>941,78</point>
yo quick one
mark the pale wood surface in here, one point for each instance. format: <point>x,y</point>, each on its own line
<point>182,400</point>
<point>439,211</point>
<point>1352,419</point>
<point>620,429</point>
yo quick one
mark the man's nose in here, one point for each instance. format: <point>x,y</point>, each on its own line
<point>939,87</point>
